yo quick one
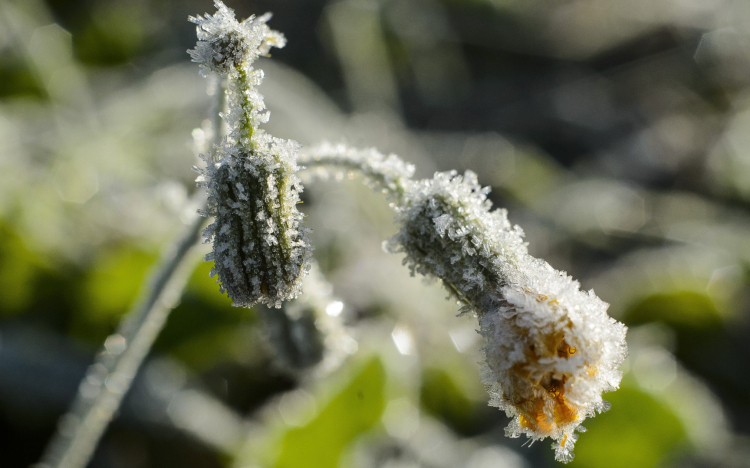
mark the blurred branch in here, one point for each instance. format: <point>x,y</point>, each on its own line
<point>110,377</point>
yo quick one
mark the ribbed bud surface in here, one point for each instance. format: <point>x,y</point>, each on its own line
<point>260,248</point>
<point>550,348</point>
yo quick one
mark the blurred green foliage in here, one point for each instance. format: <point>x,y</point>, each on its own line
<point>681,310</point>
<point>637,431</point>
<point>204,329</point>
<point>33,287</point>
<point>320,443</point>
<point>17,80</point>
<point>440,396</point>
<point>111,286</point>
<point>19,270</point>
<point>115,34</point>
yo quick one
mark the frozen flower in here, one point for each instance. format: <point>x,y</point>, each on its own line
<point>260,248</point>
<point>550,349</point>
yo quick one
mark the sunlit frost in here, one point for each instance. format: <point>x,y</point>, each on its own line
<point>550,349</point>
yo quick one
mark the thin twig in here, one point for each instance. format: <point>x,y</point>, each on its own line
<point>109,378</point>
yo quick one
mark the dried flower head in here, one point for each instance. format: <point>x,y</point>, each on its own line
<point>550,348</point>
<point>260,248</point>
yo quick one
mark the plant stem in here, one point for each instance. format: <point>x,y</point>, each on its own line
<point>391,175</point>
<point>246,128</point>
<point>109,378</point>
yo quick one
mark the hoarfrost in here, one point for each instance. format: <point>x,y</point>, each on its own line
<point>550,349</point>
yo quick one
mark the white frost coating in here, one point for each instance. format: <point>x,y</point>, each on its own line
<point>260,248</point>
<point>550,349</point>
<point>390,174</point>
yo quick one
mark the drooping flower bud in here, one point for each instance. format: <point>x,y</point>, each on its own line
<point>550,349</point>
<point>260,248</point>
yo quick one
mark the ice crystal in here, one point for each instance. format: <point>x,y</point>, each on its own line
<point>260,248</point>
<point>550,349</point>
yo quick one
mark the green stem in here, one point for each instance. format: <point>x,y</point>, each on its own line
<point>246,128</point>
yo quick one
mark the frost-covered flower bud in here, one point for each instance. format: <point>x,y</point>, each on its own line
<point>550,348</point>
<point>260,248</point>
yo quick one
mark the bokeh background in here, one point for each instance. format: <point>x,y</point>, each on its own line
<point>616,133</point>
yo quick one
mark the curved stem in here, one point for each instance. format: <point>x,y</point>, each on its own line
<point>109,378</point>
<point>388,173</point>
